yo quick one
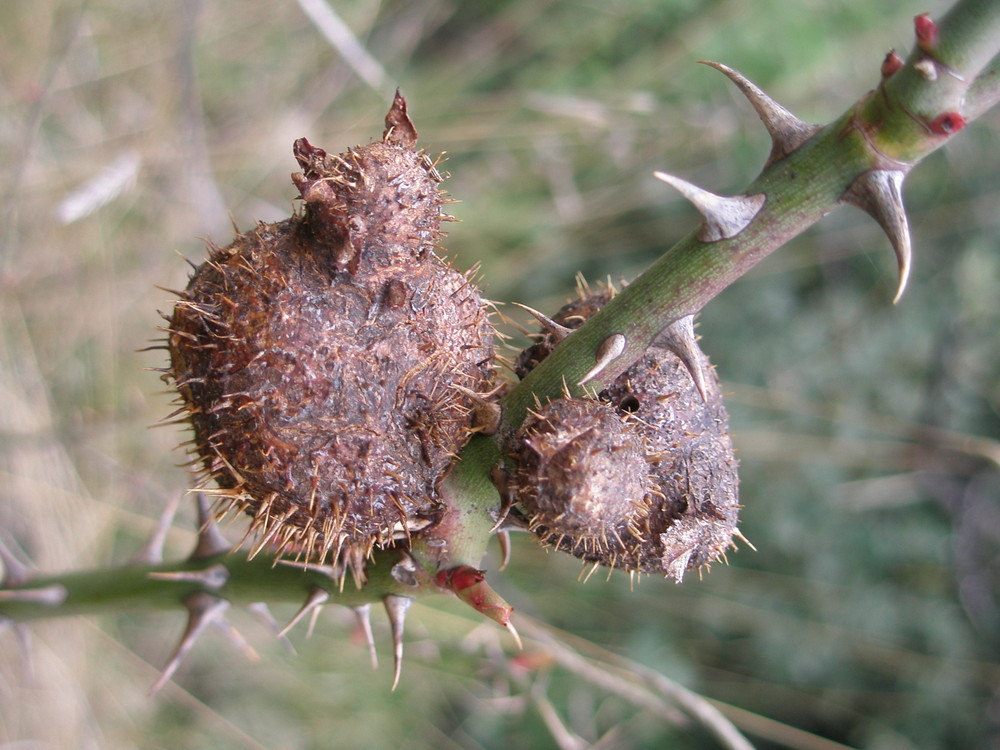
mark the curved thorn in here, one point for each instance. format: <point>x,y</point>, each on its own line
<point>151,552</point>
<point>722,217</point>
<point>210,539</point>
<point>517,636</point>
<point>316,599</point>
<point>879,193</point>
<point>202,609</point>
<point>679,338</point>
<point>556,330</point>
<point>503,537</point>
<point>363,615</point>
<point>608,351</point>
<point>787,131</point>
<point>396,607</point>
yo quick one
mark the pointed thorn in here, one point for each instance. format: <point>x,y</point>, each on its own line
<point>363,615</point>
<point>515,635</point>
<point>316,599</point>
<point>486,414</point>
<point>879,193</point>
<point>23,633</point>
<point>202,609</point>
<point>398,126</point>
<point>679,338</point>
<point>722,217</point>
<point>236,638</point>
<point>787,131</point>
<point>609,350</point>
<point>396,607</point>
<point>210,539</point>
<point>15,572</point>
<point>739,535</point>
<point>151,552</point>
<point>556,330</point>
<point>52,595</point>
<point>212,577</point>
<point>504,538</point>
<point>263,613</point>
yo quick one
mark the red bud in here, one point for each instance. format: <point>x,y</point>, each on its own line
<point>927,32</point>
<point>891,63</point>
<point>948,123</point>
<point>469,585</point>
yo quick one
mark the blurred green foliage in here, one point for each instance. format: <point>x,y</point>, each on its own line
<point>868,433</point>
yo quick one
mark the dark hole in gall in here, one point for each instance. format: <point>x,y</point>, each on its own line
<point>629,404</point>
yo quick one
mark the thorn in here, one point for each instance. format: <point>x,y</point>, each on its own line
<point>396,607</point>
<point>722,217</point>
<point>363,615</point>
<point>926,68</point>
<point>879,193</point>
<point>486,414</point>
<point>315,601</point>
<point>556,330</point>
<point>515,635</point>
<point>261,611</point>
<point>608,351</point>
<point>23,634</point>
<point>52,595</point>
<point>236,638</point>
<point>202,609</point>
<point>676,566</point>
<point>15,572</point>
<point>504,538</point>
<point>212,577</point>
<point>398,126</point>
<point>470,585</point>
<point>739,535</point>
<point>210,539</point>
<point>679,338</point>
<point>151,553</point>
<point>787,131</point>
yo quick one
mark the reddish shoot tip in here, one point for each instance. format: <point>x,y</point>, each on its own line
<point>927,32</point>
<point>891,64</point>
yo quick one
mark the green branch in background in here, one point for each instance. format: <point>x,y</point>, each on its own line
<point>860,159</point>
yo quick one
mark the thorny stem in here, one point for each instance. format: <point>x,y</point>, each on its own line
<point>889,128</point>
<point>242,581</point>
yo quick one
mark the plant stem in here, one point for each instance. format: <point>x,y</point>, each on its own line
<point>889,128</point>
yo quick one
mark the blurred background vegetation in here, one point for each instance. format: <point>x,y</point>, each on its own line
<point>869,434</point>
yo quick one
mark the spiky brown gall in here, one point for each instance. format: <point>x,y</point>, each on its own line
<point>326,362</point>
<point>643,478</point>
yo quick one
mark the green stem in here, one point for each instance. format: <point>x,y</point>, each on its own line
<point>984,92</point>
<point>156,587</point>
<point>888,129</point>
